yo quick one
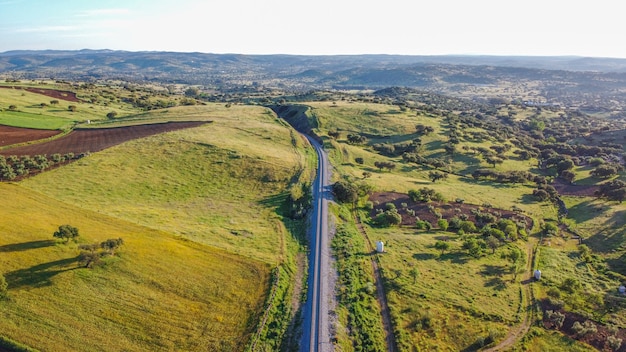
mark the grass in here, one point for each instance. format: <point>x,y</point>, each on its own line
<point>160,292</point>
<point>454,299</point>
<point>550,341</point>
<point>219,184</point>
<point>32,120</point>
<point>223,185</point>
<point>456,302</point>
<point>30,113</point>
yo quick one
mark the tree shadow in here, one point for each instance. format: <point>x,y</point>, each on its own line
<point>496,272</point>
<point>39,275</point>
<point>493,270</point>
<point>24,246</point>
<point>424,256</point>
<point>587,210</point>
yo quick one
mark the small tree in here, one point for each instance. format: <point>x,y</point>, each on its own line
<point>54,102</point>
<point>442,246</point>
<point>72,108</point>
<point>443,224</point>
<point>111,115</point>
<point>434,176</point>
<point>111,245</point>
<point>66,232</point>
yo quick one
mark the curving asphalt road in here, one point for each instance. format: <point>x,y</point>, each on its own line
<point>316,329</point>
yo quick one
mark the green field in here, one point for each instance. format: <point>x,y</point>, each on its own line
<point>202,213</point>
<point>219,184</point>
<point>458,302</point>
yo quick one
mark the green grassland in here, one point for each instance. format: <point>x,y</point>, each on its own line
<point>218,192</point>
<point>159,292</point>
<point>454,299</point>
<point>462,299</point>
<point>219,184</point>
<point>408,176</point>
<point>30,113</point>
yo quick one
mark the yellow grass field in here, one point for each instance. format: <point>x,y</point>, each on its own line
<point>159,292</point>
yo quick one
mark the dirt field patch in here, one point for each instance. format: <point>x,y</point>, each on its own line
<point>597,339</point>
<point>15,135</point>
<point>447,209</point>
<point>57,94</point>
<point>575,190</point>
<point>96,139</point>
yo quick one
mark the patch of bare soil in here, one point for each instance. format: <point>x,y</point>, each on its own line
<point>447,209</point>
<point>597,339</point>
<point>573,189</point>
<point>52,93</point>
<point>16,135</point>
<point>93,140</point>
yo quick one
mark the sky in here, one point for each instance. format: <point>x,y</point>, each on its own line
<point>320,27</point>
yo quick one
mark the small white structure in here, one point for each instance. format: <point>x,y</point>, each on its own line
<point>380,246</point>
<point>537,274</point>
<point>622,289</point>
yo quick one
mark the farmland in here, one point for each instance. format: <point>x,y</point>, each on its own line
<point>469,198</point>
<point>197,192</point>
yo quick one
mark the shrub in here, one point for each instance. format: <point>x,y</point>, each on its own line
<point>556,318</point>
<point>614,342</point>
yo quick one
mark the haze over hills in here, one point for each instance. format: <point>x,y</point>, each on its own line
<point>597,84</point>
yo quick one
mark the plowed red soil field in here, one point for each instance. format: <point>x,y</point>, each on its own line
<point>14,135</point>
<point>96,139</point>
<point>58,94</point>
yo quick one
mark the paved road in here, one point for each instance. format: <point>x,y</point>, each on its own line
<point>316,329</point>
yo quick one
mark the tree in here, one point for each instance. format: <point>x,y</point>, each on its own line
<point>66,232</point>
<point>111,245</point>
<point>111,115</point>
<point>192,92</point>
<point>359,160</point>
<point>356,139</point>
<point>443,224</point>
<point>345,192</point>
<point>334,134</point>
<point>474,246</point>
<point>389,217</point>
<point>54,102</point>
<point>72,108</point>
<point>517,259</point>
<point>442,246</point>
<point>568,176</point>
<point>89,259</point>
<point>436,175</point>
<point>12,107</point>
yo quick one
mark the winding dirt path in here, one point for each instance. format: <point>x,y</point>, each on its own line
<point>528,300</point>
<point>390,338</point>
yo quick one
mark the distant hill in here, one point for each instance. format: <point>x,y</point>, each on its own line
<point>569,80</point>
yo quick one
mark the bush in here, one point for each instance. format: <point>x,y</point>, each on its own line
<point>614,342</point>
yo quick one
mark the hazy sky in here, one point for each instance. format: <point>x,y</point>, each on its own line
<point>412,27</point>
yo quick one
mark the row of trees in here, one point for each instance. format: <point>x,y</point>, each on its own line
<point>14,166</point>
